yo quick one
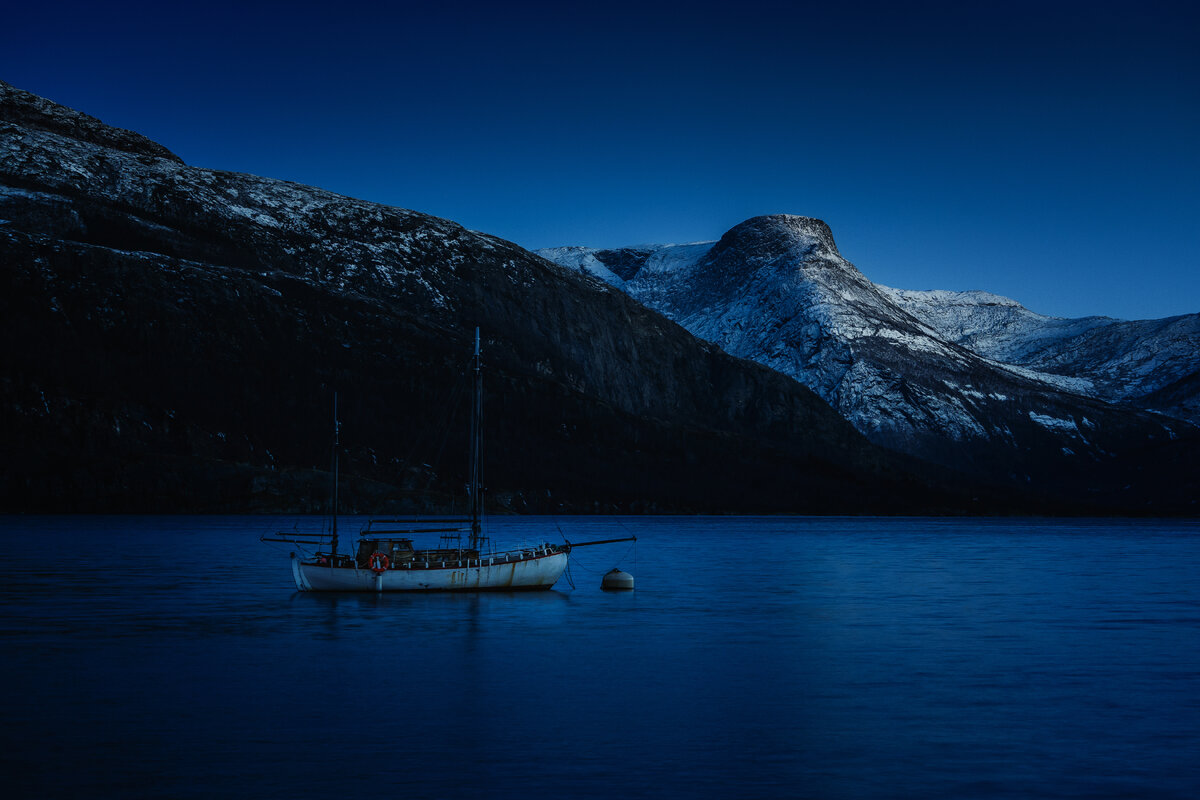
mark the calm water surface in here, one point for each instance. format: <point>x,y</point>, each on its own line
<point>758,658</point>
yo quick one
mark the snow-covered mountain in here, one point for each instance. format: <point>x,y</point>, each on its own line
<point>776,290</point>
<point>1145,363</point>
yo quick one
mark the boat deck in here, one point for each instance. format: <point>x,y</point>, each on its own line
<point>443,559</point>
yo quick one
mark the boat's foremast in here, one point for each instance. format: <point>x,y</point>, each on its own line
<point>475,478</point>
<point>333,543</point>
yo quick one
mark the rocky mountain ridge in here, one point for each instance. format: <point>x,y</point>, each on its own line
<point>1121,361</point>
<point>776,290</point>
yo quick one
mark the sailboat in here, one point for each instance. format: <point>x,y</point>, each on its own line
<point>387,560</point>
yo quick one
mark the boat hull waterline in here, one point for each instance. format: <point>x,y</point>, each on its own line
<point>486,574</point>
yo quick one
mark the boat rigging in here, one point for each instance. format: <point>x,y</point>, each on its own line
<point>387,560</point>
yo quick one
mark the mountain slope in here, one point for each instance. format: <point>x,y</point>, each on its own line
<point>175,335</point>
<point>776,290</point>
<point>1115,360</point>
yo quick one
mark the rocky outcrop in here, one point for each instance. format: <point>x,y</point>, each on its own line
<point>1134,362</point>
<point>776,290</point>
<point>26,110</point>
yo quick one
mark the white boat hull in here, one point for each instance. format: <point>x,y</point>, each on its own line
<point>539,572</point>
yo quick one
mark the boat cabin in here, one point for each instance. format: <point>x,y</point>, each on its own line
<point>397,550</point>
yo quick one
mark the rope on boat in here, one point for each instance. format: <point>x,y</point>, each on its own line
<point>298,544</point>
<point>293,546</point>
<point>571,554</point>
<point>632,548</point>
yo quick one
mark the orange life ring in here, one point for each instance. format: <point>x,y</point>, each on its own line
<point>379,562</point>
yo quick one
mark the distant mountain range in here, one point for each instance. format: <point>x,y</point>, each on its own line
<point>970,380</point>
<point>1150,364</point>
<point>173,336</point>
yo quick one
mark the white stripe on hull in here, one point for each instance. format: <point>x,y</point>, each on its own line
<point>534,573</point>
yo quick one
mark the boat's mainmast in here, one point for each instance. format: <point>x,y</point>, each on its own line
<point>473,486</point>
<point>336,428</point>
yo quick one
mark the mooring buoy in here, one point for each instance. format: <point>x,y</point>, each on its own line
<point>617,580</point>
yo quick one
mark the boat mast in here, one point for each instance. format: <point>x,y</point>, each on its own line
<point>336,426</point>
<point>473,486</point>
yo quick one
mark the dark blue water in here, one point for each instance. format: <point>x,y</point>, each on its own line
<point>758,658</point>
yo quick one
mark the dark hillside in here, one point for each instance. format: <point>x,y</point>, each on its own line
<point>174,335</point>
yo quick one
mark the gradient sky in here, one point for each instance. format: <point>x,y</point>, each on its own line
<point>1044,151</point>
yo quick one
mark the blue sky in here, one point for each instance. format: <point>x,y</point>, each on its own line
<point>1045,151</point>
